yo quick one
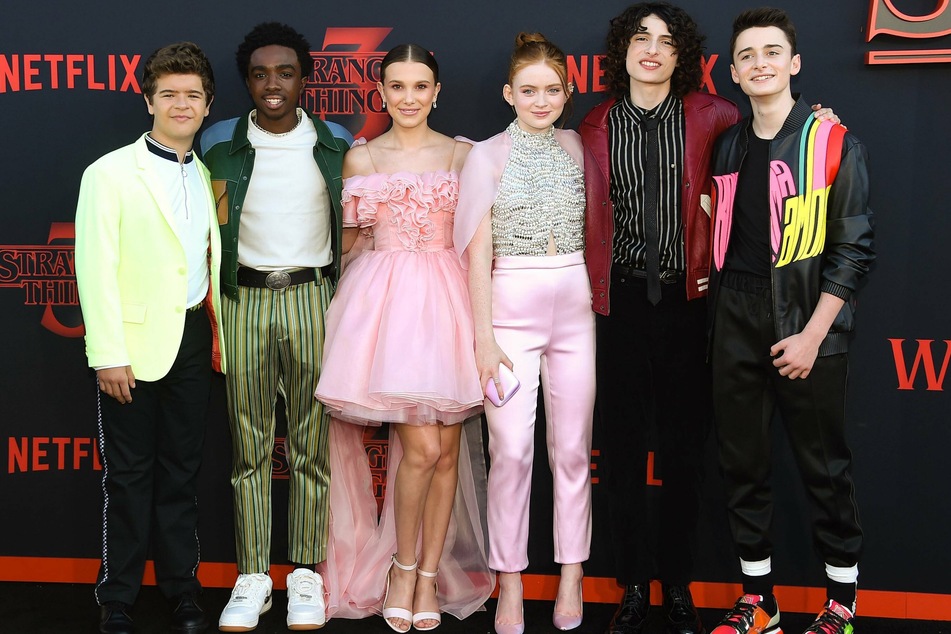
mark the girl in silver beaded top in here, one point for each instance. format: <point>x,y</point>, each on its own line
<point>520,230</point>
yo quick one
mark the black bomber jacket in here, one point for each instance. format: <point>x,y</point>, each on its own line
<point>821,225</point>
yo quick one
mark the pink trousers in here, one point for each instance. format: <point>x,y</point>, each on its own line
<point>541,313</point>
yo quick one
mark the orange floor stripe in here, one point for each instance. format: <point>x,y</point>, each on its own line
<point>878,603</point>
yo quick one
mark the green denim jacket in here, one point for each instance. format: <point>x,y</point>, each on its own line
<point>227,152</point>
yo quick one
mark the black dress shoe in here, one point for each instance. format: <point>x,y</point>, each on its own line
<point>188,616</point>
<point>114,619</point>
<point>682,617</point>
<point>631,615</point>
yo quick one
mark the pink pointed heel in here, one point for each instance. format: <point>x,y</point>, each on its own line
<point>508,628</point>
<point>511,628</point>
<point>568,621</point>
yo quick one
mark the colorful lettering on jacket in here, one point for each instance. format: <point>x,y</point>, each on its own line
<point>724,195</point>
<point>782,186</point>
<point>804,216</point>
<point>797,221</point>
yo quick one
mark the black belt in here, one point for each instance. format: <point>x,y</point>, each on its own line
<point>196,307</point>
<point>274,280</point>
<point>667,276</point>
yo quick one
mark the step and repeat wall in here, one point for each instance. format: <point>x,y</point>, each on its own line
<point>70,77</point>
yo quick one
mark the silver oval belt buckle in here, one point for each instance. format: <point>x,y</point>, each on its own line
<point>277,280</point>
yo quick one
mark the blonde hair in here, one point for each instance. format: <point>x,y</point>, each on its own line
<point>535,48</point>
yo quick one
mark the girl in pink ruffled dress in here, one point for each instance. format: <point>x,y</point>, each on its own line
<point>398,349</point>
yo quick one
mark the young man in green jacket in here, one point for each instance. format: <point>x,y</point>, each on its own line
<point>276,173</point>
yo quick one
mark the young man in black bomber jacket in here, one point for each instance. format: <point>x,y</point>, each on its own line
<point>792,242</point>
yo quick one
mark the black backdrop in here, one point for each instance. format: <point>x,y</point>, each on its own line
<point>66,98</point>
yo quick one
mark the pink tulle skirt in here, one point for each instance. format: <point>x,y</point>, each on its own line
<point>362,539</point>
<point>399,341</point>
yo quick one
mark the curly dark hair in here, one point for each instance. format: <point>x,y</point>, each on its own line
<point>181,58</point>
<point>687,38</point>
<point>273,33</point>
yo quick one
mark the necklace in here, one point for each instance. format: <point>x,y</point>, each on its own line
<point>254,120</point>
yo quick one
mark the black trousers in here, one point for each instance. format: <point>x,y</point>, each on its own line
<point>747,389</point>
<point>651,369</point>
<point>151,450</point>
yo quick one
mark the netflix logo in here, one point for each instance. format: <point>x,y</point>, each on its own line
<point>59,71</point>
<point>586,73</point>
<point>51,453</point>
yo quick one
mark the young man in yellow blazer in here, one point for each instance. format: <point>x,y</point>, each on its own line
<point>147,263</point>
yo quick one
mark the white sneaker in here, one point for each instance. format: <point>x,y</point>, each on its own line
<point>305,600</point>
<point>250,599</point>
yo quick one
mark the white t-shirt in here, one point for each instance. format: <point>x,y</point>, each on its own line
<point>285,222</point>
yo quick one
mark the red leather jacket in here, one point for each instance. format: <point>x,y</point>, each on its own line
<point>705,116</point>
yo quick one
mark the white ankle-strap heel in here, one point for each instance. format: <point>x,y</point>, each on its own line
<point>427,616</point>
<point>397,613</point>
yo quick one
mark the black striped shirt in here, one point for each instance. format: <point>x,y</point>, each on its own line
<point>628,147</point>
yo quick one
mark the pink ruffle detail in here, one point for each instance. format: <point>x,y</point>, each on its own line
<point>409,200</point>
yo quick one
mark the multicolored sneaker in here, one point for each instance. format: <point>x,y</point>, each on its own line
<point>835,618</point>
<point>747,617</point>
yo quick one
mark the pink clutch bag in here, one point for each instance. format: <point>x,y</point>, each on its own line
<point>509,384</point>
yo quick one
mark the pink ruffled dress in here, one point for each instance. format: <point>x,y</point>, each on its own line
<point>399,334</point>
<point>399,348</point>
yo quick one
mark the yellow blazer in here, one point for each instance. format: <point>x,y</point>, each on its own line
<point>131,267</point>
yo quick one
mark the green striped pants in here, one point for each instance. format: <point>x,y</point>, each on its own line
<point>273,342</point>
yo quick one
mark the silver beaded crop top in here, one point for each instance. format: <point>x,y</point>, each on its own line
<point>541,193</point>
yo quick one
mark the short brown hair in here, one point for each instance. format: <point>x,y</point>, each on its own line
<point>761,18</point>
<point>181,58</point>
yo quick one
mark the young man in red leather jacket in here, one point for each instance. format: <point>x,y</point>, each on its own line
<point>649,286</point>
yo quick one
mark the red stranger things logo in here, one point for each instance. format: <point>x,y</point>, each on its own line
<point>342,84</point>
<point>46,274</point>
